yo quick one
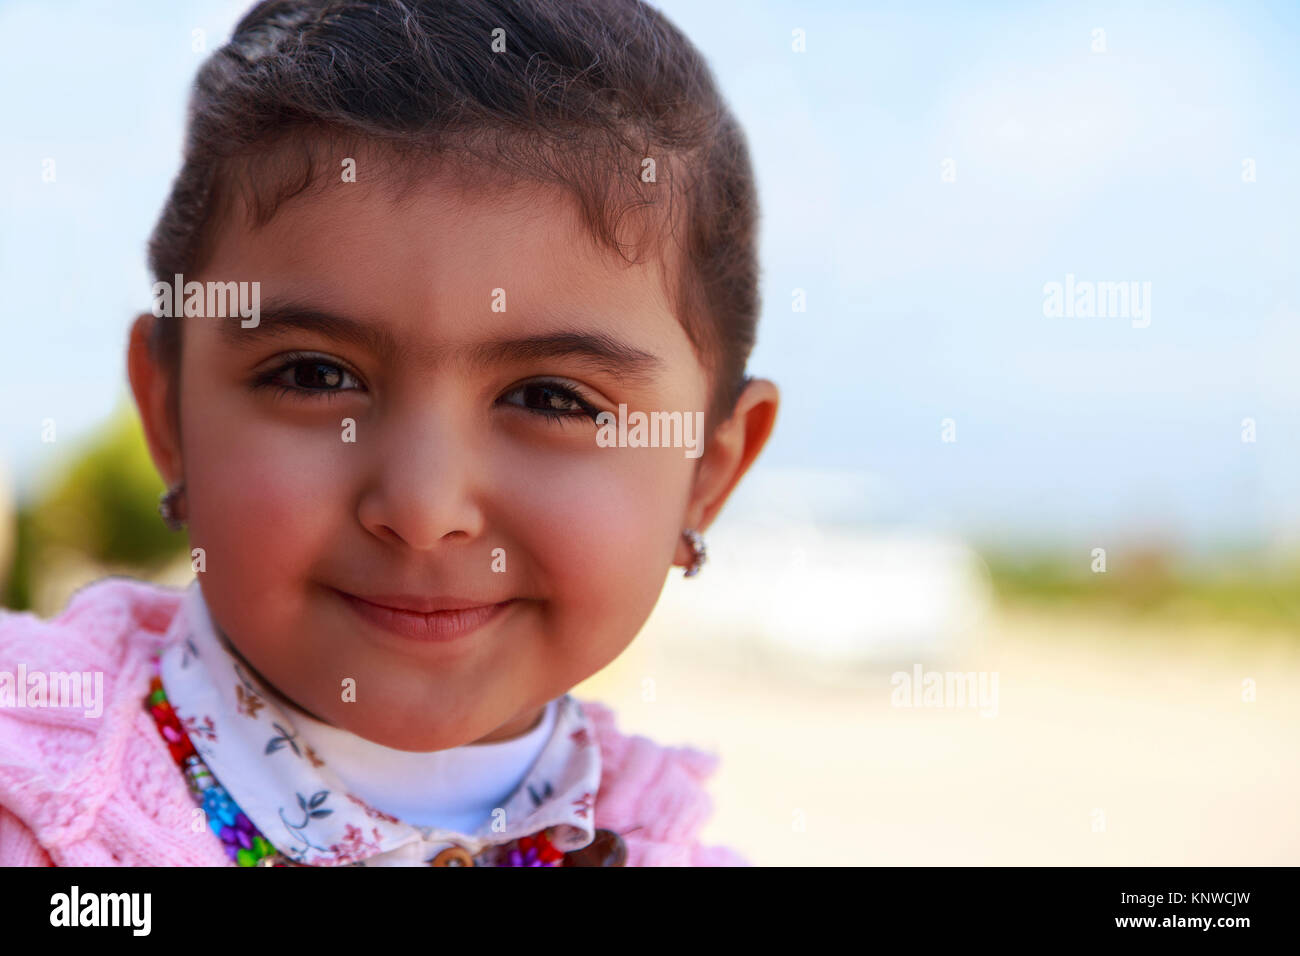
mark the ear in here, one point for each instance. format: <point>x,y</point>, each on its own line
<point>733,448</point>
<point>151,386</point>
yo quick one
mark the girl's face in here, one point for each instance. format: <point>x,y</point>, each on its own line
<point>469,338</point>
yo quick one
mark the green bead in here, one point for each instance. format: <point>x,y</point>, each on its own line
<point>157,697</point>
<point>245,858</point>
<point>261,847</point>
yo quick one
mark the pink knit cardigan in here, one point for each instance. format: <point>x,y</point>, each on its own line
<point>77,791</point>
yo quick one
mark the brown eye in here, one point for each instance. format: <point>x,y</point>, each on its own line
<point>310,376</point>
<point>550,399</point>
<point>317,375</point>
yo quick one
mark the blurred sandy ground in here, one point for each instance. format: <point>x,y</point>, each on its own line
<point>1142,722</point>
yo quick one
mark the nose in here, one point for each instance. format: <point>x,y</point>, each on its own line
<point>424,483</point>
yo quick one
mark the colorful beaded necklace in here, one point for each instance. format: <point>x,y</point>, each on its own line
<point>246,846</point>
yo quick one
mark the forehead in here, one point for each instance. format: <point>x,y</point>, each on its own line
<point>439,259</point>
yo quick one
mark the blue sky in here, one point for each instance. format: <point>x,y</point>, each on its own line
<point>924,296</point>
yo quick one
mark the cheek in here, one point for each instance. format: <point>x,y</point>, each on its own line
<point>264,499</point>
<point>601,529</point>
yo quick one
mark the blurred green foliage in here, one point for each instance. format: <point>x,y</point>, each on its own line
<point>101,505</point>
<point>1242,586</point>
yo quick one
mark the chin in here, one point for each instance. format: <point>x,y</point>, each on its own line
<point>404,738</point>
<point>427,744</point>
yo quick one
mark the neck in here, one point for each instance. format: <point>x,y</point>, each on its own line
<point>521,725</point>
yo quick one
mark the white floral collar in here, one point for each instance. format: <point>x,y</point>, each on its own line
<point>252,746</point>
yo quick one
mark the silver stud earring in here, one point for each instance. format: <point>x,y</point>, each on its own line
<point>169,507</point>
<point>697,549</point>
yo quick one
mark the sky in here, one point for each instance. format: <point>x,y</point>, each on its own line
<point>924,170</point>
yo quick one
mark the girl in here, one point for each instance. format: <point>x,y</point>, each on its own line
<point>466,240</point>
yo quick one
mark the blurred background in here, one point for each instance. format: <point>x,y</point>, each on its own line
<point>948,459</point>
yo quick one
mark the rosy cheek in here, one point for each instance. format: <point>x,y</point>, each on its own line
<point>595,523</point>
<point>268,493</point>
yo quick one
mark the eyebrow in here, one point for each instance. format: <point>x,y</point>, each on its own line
<point>596,348</point>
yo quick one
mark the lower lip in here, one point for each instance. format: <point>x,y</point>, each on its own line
<point>435,627</point>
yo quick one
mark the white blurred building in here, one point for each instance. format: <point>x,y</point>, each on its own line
<point>803,592</point>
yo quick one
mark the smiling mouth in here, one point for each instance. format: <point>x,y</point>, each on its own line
<point>459,618</point>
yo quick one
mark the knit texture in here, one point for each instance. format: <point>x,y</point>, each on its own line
<point>81,791</point>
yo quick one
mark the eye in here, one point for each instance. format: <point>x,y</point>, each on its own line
<point>309,375</point>
<point>551,399</point>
